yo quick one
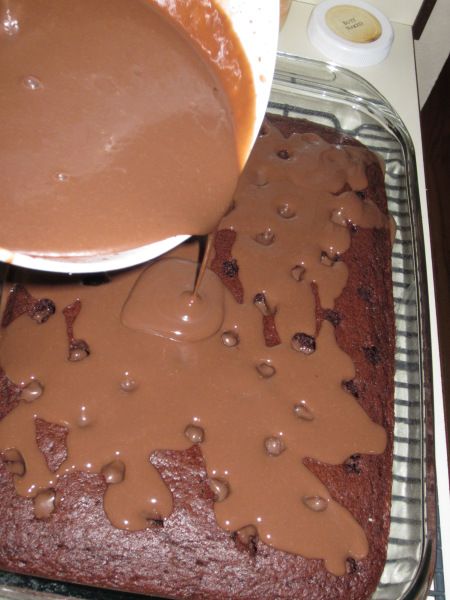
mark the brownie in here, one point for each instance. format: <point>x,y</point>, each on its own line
<point>68,536</point>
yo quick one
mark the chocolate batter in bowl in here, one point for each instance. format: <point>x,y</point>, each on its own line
<point>127,124</point>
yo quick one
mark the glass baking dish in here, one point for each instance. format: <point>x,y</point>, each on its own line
<point>338,98</point>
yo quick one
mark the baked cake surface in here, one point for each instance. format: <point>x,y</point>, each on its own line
<point>185,549</point>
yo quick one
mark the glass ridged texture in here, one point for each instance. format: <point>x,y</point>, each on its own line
<point>338,98</point>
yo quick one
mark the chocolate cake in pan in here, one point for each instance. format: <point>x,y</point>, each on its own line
<point>248,458</point>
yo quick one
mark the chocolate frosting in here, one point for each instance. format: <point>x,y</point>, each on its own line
<point>257,411</point>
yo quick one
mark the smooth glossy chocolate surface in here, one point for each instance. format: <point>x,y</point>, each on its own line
<point>263,408</point>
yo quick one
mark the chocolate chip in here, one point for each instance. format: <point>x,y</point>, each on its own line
<point>286,211</point>
<point>230,339</point>
<point>42,310</point>
<point>114,472</point>
<point>265,238</point>
<point>219,488</point>
<point>246,538</point>
<point>333,317</point>
<point>95,279</point>
<point>194,434</point>
<point>261,177</point>
<point>302,411</point>
<point>32,391</point>
<point>365,293</point>
<point>266,370</point>
<point>351,566</point>
<point>328,260</point>
<point>351,387</point>
<point>253,546</point>
<point>260,301</point>
<point>372,354</point>
<point>284,154</point>
<point>298,272</point>
<point>353,464</point>
<point>156,522</point>
<point>274,446</point>
<point>230,268</point>
<point>315,503</point>
<point>78,350</point>
<point>128,383</point>
<point>302,342</point>
<point>44,504</point>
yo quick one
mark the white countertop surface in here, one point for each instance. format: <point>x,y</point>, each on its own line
<point>395,78</point>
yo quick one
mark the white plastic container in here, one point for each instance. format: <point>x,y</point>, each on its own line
<point>351,33</point>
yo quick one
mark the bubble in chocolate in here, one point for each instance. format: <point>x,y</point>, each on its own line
<point>261,177</point>
<point>32,83</point>
<point>315,503</point>
<point>327,260</point>
<point>266,370</point>
<point>219,488</point>
<point>284,154</point>
<point>302,411</point>
<point>194,434</point>
<point>14,461</point>
<point>128,383</point>
<point>298,272</point>
<point>274,446</point>
<point>265,238</point>
<point>246,534</point>
<point>44,504</point>
<point>10,24</point>
<point>114,472</point>
<point>338,217</point>
<point>230,339</point>
<point>32,391</point>
<point>286,211</point>
<point>302,342</point>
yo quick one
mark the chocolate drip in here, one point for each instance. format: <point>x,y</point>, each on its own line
<point>9,395</point>
<point>78,348</point>
<point>224,265</point>
<point>303,403</point>
<point>51,440</point>
<point>21,302</point>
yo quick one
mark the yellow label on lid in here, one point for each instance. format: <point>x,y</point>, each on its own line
<point>353,23</point>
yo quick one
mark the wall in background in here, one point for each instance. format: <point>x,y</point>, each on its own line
<point>432,49</point>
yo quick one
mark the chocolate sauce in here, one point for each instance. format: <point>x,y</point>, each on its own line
<point>256,411</point>
<point>118,129</point>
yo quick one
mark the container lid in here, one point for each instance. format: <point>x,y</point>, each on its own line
<point>350,32</point>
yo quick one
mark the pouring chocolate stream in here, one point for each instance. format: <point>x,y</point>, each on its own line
<point>126,125</point>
